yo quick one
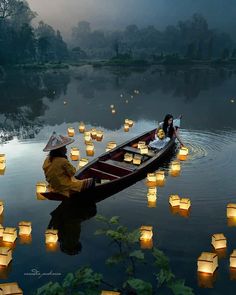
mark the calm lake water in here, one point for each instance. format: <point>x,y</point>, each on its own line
<point>33,104</point>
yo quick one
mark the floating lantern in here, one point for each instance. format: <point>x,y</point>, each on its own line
<point>231,210</point>
<point>110,293</point>
<point>175,166</point>
<point>9,234</point>
<point>90,149</point>
<point>233,259</point>
<point>2,162</point>
<point>112,106</point>
<point>128,157</point>
<point>25,228</point>
<point>111,145</point>
<point>218,241</point>
<point>99,136</point>
<point>152,190</point>
<point>87,136</point>
<point>71,131</point>
<point>160,177</point>
<point>41,187</point>
<point>1,230</point>
<point>137,159</point>
<point>10,289</point>
<point>74,154</point>
<point>151,177</point>
<point>94,133</point>
<point>83,162</point>
<point>113,111</point>
<point>151,197</point>
<point>184,204</point>
<point>129,122</point>
<point>81,127</point>
<point>121,95</point>
<point>143,150</point>
<point>207,262</point>
<point>232,100</point>
<point>51,236</point>
<point>146,233</point>
<point>126,101</point>
<point>5,256</point>
<point>152,204</point>
<point>141,144</point>
<point>183,151</point>
<point>1,207</point>
<point>126,127</point>
<point>174,200</point>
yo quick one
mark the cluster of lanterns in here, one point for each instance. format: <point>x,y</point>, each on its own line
<point>156,179</point>
<point>128,124</point>
<point>113,110</point>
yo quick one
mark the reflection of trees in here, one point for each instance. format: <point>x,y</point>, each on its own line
<point>67,219</point>
<point>21,103</point>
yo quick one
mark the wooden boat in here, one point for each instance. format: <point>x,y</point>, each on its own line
<point>113,174</point>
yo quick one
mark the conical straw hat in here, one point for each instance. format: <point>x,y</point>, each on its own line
<point>57,141</point>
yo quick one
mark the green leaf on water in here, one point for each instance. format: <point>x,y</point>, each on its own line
<point>100,231</point>
<point>178,288</point>
<point>161,260</point>
<point>114,220</point>
<point>137,254</point>
<point>164,276</point>
<point>141,287</point>
<point>116,259</point>
<point>102,218</point>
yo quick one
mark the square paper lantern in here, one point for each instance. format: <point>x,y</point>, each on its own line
<point>25,228</point>
<point>2,162</point>
<point>10,289</point>
<point>141,144</point>
<point>174,200</point>
<point>5,256</point>
<point>143,150</point>
<point>110,293</point>
<point>207,262</point>
<point>175,166</point>
<point>126,127</point>
<point>146,233</point>
<point>184,204</point>
<point>81,127</point>
<point>99,136</point>
<point>94,133</point>
<point>110,146</point>
<point>9,234</point>
<point>41,187</point>
<point>83,162</point>
<point>90,149</point>
<point>51,236</point>
<point>152,190</point>
<point>87,136</point>
<point>1,231</point>
<point>1,207</point>
<point>151,197</point>
<point>233,259</point>
<point>137,159</point>
<point>128,157</point>
<point>219,241</point>
<point>130,123</point>
<point>183,151</point>
<point>71,131</point>
<point>151,177</point>
<point>74,154</point>
<point>160,176</point>
<point>231,210</point>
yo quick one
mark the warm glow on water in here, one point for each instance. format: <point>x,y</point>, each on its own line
<point>207,176</point>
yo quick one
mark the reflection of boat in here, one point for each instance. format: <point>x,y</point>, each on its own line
<point>67,219</point>
<point>112,174</point>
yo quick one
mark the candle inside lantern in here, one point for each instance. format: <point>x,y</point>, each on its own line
<point>81,127</point>
<point>51,236</point>
<point>25,228</point>
<point>74,154</point>
<point>71,131</point>
<point>90,149</point>
<point>207,262</point>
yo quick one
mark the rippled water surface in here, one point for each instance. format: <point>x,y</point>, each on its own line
<point>33,104</point>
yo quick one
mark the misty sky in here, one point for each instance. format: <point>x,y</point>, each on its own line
<point>113,14</point>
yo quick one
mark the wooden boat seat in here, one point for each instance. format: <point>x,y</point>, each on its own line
<point>137,151</point>
<point>123,165</point>
<point>102,174</point>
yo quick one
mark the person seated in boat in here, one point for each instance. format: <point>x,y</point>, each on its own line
<point>165,131</point>
<point>59,172</point>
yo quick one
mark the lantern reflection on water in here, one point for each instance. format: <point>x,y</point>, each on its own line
<point>184,204</point>
<point>233,259</point>
<point>10,289</point>
<point>206,280</point>
<point>207,262</point>
<point>25,228</point>
<point>1,207</point>
<point>218,241</point>
<point>9,235</point>
<point>146,244</point>
<point>71,131</point>
<point>74,154</point>
<point>152,190</point>
<point>146,233</point>
<point>231,210</point>
<point>2,162</point>
<point>83,162</point>
<point>152,197</point>
<point>90,149</point>
<point>110,293</point>
<point>174,200</point>
<point>5,256</point>
<point>99,135</point>
<point>25,239</point>
<point>231,221</point>
<point>51,236</point>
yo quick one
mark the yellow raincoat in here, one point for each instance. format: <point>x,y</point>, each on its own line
<point>59,174</point>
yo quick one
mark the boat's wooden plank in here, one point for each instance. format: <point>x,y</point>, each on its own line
<point>137,151</point>
<point>114,168</point>
<point>102,174</point>
<point>126,166</point>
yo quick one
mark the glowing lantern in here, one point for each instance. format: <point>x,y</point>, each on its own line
<point>74,154</point>
<point>1,207</point>
<point>2,162</point>
<point>41,187</point>
<point>231,210</point>
<point>5,256</point>
<point>112,106</point>
<point>110,293</point>
<point>143,150</point>
<point>152,190</point>
<point>9,235</point>
<point>151,177</point>
<point>25,228</point>
<point>83,162</point>
<point>94,133</point>
<point>90,149</point>
<point>128,157</point>
<point>146,244</point>
<point>218,241</point>
<point>207,262</point>
<point>113,111</point>
<point>71,131</point>
<point>160,176</point>
<point>175,166</point>
<point>184,204</point>
<point>51,236</point>
<point>81,127</point>
<point>174,200</point>
<point>151,197</point>
<point>1,230</point>
<point>126,127</point>
<point>111,145</point>
<point>233,259</point>
<point>146,233</point>
<point>99,136</point>
<point>183,151</point>
<point>141,144</point>
<point>129,122</point>
<point>231,222</point>
<point>137,159</point>
<point>87,136</point>
<point>10,289</point>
